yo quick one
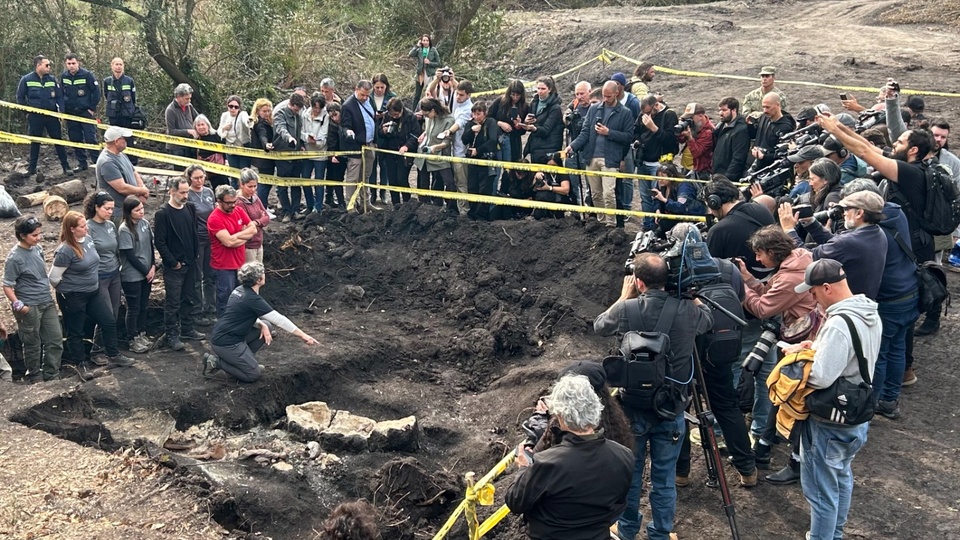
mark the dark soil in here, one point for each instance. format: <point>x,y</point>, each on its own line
<point>465,324</point>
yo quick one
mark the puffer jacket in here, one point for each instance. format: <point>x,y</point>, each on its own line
<point>788,389</point>
<point>777,295</point>
<point>548,137</point>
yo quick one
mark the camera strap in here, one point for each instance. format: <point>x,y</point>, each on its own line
<point>669,312</point>
<point>857,348</point>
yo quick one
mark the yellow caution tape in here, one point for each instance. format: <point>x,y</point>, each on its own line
<point>684,73</point>
<point>183,141</point>
<point>493,520</point>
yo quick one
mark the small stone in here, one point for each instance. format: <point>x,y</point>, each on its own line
<point>313,449</point>
<point>283,466</point>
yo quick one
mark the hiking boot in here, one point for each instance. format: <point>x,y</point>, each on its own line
<point>929,326</point>
<point>748,480</point>
<point>787,475</point>
<point>682,481</point>
<point>120,361</point>
<point>192,335</point>
<point>139,344</point>
<point>909,377</point>
<point>99,359</point>
<point>210,363</point>
<point>888,409</point>
<point>85,370</point>
<point>203,320</point>
<point>67,171</point>
<point>762,454</point>
<point>33,378</point>
<point>286,219</point>
<point>174,343</point>
<point>80,168</point>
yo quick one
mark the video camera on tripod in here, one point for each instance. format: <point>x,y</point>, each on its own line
<point>689,263</point>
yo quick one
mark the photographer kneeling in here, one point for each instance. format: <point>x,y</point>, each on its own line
<point>642,303</point>
<point>551,188</point>
<point>575,489</point>
<point>674,196</point>
<point>245,327</point>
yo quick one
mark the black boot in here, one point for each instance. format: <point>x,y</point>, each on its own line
<point>762,454</point>
<point>787,475</point>
<point>930,325</point>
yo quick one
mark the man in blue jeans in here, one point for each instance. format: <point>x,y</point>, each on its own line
<point>642,303</point>
<point>828,448</point>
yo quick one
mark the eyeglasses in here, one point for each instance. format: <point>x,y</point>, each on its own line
<point>32,222</point>
<point>233,106</point>
<point>229,203</point>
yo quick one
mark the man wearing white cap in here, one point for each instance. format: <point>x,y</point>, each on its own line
<point>115,173</point>
<point>698,138</point>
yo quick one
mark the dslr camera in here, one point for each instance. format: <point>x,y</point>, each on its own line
<point>768,338</point>
<point>683,125</point>
<point>445,73</point>
<point>390,128</point>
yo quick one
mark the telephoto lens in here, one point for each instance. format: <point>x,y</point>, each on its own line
<point>768,338</point>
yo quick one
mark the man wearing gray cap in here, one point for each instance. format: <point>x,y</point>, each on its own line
<point>115,173</point>
<point>752,107</point>
<point>856,247</point>
<point>850,333</point>
<point>802,159</point>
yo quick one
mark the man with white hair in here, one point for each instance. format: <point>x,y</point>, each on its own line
<point>179,116</point>
<point>576,489</point>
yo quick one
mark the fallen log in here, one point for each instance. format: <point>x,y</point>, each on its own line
<point>32,199</point>
<point>72,191</point>
<point>54,207</point>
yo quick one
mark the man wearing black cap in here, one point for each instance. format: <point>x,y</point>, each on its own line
<point>856,247</point>
<point>642,303</point>
<point>827,448</point>
<point>802,159</point>
<point>915,105</point>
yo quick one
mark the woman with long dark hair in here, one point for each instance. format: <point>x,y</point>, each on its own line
<point>137,271</point>
<point>544,122</point>
<point>398,131</point>
<point>481,137</point>
<point>509,111</point>
<point>825,183</point>
<point>674,195</point>
<point>98,209</point>
<point>74,276</point>
<point>428,60</point>
<point>336,166</point>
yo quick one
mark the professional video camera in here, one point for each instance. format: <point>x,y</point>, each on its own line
<point>868,119</point>
<point>689,264</point>
<point>774,177</point>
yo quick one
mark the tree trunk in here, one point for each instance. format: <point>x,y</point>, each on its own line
<point>31,199</point>
<point>72,191</point>
<point>55,208</point>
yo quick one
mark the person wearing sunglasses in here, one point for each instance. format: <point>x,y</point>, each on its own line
<point>27,287</point>
<point>235,126</point>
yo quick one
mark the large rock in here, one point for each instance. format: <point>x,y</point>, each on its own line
<point>339,431</point>
<point>399,435</point>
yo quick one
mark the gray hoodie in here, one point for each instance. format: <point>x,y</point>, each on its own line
<point>834,348</point>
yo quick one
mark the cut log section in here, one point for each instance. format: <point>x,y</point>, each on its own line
<point>55,208</point>
<point>32,199</point>
<point>72,191</point>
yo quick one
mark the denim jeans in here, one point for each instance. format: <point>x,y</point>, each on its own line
<point>226,283</point>
<point>314,194</point>
<point>289,196</point>
<point>646,197</point>
<point>40,332</point>
<point>826,451</point>
<point>625,186</point>
<point>664,439</point>
<point>888,373</point>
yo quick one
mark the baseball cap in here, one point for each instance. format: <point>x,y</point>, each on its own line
<point>692,109</point>
<point>831,146</point>
<point>115,132</point>
<point>806,113</point>
<point>620,78</point>
<point>820,272</point>
<point>807,153</point>
<point>592,370</point>
<point>847,120</point>
<point>768,70</point>
<point>864,200</point>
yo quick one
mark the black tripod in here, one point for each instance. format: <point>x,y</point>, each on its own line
<point>705,421</point>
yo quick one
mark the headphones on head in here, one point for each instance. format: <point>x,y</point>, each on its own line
<point>718,195</point>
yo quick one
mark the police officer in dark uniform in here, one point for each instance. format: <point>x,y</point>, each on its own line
<point>120,98</point>
<point>81,91</point>
<point>41,90</point>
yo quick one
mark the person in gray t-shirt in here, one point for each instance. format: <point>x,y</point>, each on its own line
<point>98,208</point>
<point>115,172</point>
<point>204,311</point>
<point>137,270</point>
<point>74,275</point>
<point>26,286</point>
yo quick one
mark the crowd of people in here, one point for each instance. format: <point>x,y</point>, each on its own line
<point>841,275</point>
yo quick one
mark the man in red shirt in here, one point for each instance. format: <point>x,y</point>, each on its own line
<point>229,229</point>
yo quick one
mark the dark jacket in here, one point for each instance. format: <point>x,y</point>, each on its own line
<point>681,201</point>
<point>431,69</point>
<point>261,135</point>
<point>653,145</point>
<point>120,97</point>
<point>171,247</point>
<point>486,141</point>
<point>728,238</point>
<point>548,137</point>
<point>179,121</point>
<point>617,142</point>
<point>856,250</point>
<point>40,92</point>
<point>351,118</point>
<point>500,112</point>
<point>575,490</point>
<point>335,171</point>
<point>731,146</point>
<point>286,124</point>
<point>899,270</point>
<point>405,134</point>
<point>768,133</point>
<point>81,91</point>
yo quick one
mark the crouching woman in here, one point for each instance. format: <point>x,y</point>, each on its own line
<point>245,327</point>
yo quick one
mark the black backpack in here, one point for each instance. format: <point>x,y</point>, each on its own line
<point>645,370</point>
<point>941,215</point>
<point>721,345</point>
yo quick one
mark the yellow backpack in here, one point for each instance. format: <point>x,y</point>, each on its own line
<point>788,389</point>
